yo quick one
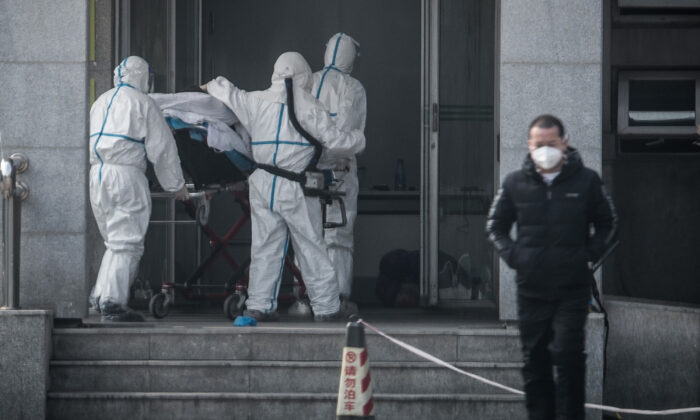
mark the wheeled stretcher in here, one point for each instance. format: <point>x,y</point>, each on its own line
<point>209,173</point>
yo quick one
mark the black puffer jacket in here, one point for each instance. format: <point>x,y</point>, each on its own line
<point>554,242</point>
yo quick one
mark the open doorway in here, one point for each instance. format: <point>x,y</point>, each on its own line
<point>428,69</point>
<point>241,41</point>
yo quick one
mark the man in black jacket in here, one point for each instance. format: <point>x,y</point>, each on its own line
<point>554,199</point>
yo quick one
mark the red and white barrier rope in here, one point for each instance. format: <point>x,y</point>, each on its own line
<point>442,363</point>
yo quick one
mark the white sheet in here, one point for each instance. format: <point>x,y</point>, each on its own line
<point>198,108</point>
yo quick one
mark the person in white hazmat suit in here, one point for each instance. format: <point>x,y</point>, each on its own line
<point>280,211</point>
<point>126,128</point>
<point>346,101</point>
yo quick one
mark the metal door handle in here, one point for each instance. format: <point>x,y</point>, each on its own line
<point>436,118</point>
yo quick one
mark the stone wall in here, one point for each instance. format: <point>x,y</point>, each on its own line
<point>653,356</point>
<point>43,114</point>
<point>25,346</point>
<point>550,62</point>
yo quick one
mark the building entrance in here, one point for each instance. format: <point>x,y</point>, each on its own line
<point>427,174</point>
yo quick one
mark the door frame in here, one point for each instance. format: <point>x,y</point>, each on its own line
<point>430,128</point>
<point>430,148</point>
<point>122,37</point>
<point>429,116</point>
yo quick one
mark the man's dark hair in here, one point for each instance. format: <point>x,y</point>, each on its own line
<point>547,121</point>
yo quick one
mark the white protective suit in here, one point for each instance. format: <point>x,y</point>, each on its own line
<point>280,211</point>
<point>346,101</point>
<point>126,127</point>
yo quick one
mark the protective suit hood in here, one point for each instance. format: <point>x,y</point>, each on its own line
<point>133,71</point>
<point>341,52</point>
<point>289,64</point>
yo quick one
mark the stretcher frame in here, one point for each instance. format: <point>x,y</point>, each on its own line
<point>234,291</point>
<point>197,206</point>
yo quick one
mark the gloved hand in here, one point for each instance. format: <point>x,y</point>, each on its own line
<point>182,194</point>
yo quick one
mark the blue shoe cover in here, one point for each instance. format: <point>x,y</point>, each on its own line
<point>244,321</point>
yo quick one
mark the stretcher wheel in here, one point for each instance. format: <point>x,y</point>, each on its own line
<point>233,306</point>
<point>202,213</point>
<point>158,306</point>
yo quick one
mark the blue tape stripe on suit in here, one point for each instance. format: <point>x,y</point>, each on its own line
<point>274,157</point>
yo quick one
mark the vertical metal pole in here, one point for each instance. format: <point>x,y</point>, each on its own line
<point>425,137</point>
<point>434,186</point>
<point>13,193</point>
<point>198,43</point>
<point>11,223</point>
<point>495,260</point>
<point>117,34</point>
<point>124,48</point>
<point>199,244</point>
<point>429,161</point>
<point>171,237</point>
<point>171,45</point>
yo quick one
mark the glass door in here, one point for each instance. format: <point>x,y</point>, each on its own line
<point>167,34</point>
<point>458,151</point>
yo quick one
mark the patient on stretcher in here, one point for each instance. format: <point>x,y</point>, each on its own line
<point>213,146</point>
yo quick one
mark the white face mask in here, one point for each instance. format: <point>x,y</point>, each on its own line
<point>546,157</point>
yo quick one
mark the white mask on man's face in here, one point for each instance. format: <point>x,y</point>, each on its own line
<point>546,157</point>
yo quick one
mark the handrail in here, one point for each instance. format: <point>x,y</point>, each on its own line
<point>13,192</point>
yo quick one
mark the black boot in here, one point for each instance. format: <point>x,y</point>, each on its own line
<point>95,305</point>
<point>112,312</point>
<point>345,313</point>
<point>261,316</point>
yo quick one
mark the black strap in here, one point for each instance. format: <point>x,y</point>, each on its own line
<point>318,147</point>
<point>274,170</point>
<point>596,295</point>
<point>606,324</point>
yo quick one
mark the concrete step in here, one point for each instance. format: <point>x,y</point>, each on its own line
<point>248,406</point>
<point>272,376</point>
<point>283,344</point>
